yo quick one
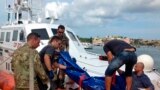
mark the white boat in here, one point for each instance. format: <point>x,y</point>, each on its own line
<point>13,36</point>
<point>87,45</point>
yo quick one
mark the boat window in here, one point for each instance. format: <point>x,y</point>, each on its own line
<point>15,35</point>
<point>1,50</point>
<point>9,66</point>
<point>6,66</point>
<point>2,36</point>
<point>72,36</point>
<point>21,36</point>
<point>8,36</point>
<point>54,31</point>
<point>42,32</point>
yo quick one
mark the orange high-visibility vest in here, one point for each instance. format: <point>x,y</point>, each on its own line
<point>6,81</point>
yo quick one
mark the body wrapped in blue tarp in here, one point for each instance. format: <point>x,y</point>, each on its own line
<point>81,77</point>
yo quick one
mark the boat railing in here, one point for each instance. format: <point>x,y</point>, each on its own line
<point>5,59</point>
<point>92,53</point>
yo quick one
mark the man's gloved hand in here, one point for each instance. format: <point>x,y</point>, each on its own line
<point>51,74</point>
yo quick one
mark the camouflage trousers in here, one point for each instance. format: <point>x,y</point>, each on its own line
<point>26,89</point>
<point>35,88</point>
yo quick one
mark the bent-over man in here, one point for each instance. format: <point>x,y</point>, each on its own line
<point>119,53</point>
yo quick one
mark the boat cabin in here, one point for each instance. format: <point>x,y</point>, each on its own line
<point>14,36</point>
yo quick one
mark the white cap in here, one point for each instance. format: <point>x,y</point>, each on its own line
<point>147,60</point>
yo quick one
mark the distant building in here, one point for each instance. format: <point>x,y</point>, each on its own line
<point>97,41</point>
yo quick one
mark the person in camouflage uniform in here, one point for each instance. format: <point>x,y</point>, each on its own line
<point>64,47</point>
<point>20,63</point>
<point>65,40</point>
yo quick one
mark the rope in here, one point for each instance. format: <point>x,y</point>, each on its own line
<point>114,79</point>
<point>7,58</point>
<point>80,81</point>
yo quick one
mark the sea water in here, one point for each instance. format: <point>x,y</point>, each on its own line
<point>154,52</point>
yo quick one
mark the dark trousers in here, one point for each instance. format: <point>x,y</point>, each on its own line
<point>125,57</point>
<point>40,84</point>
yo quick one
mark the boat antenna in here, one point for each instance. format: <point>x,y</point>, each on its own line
<point>8,8</point>
<point>52,11</point>
<point>9,14</point>
<point>17,8</point>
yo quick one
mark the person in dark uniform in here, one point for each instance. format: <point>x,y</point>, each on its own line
<point>119,53</point>
<point>141,80</point>
<point>64,47</point>
<point>64,38</point>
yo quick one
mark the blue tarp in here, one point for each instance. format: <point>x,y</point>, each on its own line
<point>81,77</point>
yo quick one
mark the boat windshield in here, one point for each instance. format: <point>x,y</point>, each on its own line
<point>42,32</point>
<point>54,31</point>
<point>2,36</point>
<point>76,42</point>
<point>72,36</point>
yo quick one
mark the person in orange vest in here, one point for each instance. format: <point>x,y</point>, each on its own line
<point>6,81</point>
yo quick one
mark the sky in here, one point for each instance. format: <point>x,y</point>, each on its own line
<point>139,19</point>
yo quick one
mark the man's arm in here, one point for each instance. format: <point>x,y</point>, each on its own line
<point>148,88</point>
<point>14,60</point>
<point>110,56</point>
<point>39,70</point>
<point>56,65</point>
<point>120,72</point>
<point>47,62</point>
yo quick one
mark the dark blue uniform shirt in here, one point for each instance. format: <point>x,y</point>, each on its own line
<point>141,81</point>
